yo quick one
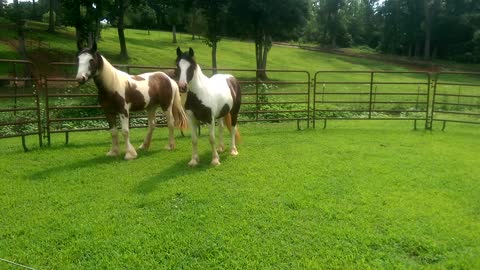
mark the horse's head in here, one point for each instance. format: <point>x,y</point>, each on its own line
<point>186,66</point>
<point>89,62</point>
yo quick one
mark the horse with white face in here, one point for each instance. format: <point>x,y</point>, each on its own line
<point>119,93</point>
<point>208,99</point>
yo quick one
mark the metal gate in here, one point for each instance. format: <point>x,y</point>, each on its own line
<point>371,95</point>
<point>20,114</point>
<point>456,98</point>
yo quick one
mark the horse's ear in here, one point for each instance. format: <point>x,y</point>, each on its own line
<point>190,51</point>
<point>179,52</point>
<point>94,46</point>
<point>79,45</point>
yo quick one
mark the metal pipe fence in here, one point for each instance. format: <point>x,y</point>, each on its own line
<point>371,95</point>
<point>456,98</point>
<point>56,104</point>
<point>20,114</point>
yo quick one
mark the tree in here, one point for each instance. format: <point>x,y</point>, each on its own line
<point>195,21</point>
<point>174,16</point>
<point>264,20</point>
<point>51,21</point>
<point>216,13</point>
<point>20,30</point>
<point>85,16</point>
<point>120,7</point>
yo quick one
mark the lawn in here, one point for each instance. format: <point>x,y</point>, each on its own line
<point>357,195</point>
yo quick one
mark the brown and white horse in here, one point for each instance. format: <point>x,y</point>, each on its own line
<point>119,93</point>
<point>208,99</point>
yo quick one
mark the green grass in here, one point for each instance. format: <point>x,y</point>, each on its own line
<point>353,196</point>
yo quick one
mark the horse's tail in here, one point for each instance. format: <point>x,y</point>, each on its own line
<point>228,121</point>
<point>179,115</point>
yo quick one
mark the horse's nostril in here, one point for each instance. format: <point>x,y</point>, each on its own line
<point>81,80</point>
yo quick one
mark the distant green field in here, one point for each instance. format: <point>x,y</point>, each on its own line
<point>353,196</point>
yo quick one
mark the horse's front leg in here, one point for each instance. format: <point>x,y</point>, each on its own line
<point>221,145</point>
<point>130,150</point>
<point>211,138</point>
<point>151,126</point>
<point>192,123</point>
<point>115,150</point>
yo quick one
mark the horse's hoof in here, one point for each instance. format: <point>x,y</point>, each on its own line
<point>234,152</point>
<point>130,156</point>
<point>215,162</point>
<point>193,163</point>
<point>170,147</point>
<point>144,147</point>
<point>221,148</point>
<point>112,153</point>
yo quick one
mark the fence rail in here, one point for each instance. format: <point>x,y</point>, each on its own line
<point>454,100</point>
<point>285,96</point>
<point>20,114</point>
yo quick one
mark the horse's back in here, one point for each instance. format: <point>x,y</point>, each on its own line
<point>157,88</point>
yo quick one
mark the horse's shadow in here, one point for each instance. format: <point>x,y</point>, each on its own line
<point>178,169</point>
<point>44,174</point>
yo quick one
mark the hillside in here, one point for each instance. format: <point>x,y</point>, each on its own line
<point>155,48</point>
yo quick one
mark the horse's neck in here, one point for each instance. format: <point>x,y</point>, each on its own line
<point>109,77</point>
<point>199,81</point>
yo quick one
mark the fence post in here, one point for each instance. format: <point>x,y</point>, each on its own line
<point>435,80</point>
<point>308,100</point>
<point>314,98</point>
<point>256,95</point>
<point>371,96</point>
<point>428,119</point>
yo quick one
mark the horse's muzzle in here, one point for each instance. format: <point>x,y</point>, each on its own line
<point>81,80</point>
<point>182,87</point>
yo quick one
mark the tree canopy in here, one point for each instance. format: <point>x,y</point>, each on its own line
<point>423,29</point>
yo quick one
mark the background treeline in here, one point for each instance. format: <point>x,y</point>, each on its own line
<point>424,29</point>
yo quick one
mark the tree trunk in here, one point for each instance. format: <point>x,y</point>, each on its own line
<point>174,34</point>
<point>22,52</point>
<point>21,35</point>
<point>428,30</point>
<point>418,48</point>
<point>263,43</point>
<point>34,10</point>
<point>120,30</point>
<point>214,57</point>
<point>80,27</point>
<point>51,20</point>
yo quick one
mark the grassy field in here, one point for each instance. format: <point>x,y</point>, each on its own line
<point>353,196</point>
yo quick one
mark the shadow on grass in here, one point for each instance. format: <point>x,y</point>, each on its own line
<point>43,174</point>
<point>178,169</point>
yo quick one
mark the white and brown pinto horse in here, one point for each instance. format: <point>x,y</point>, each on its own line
<point>119,93</point>
<point>208,99</point>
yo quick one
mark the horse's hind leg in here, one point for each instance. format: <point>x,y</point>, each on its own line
<point>115,150</point>
<point>221,145</point>
<point>171,128</point>
<point>151,126</point>
<point>130,150</point>
<point>233,150</point>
